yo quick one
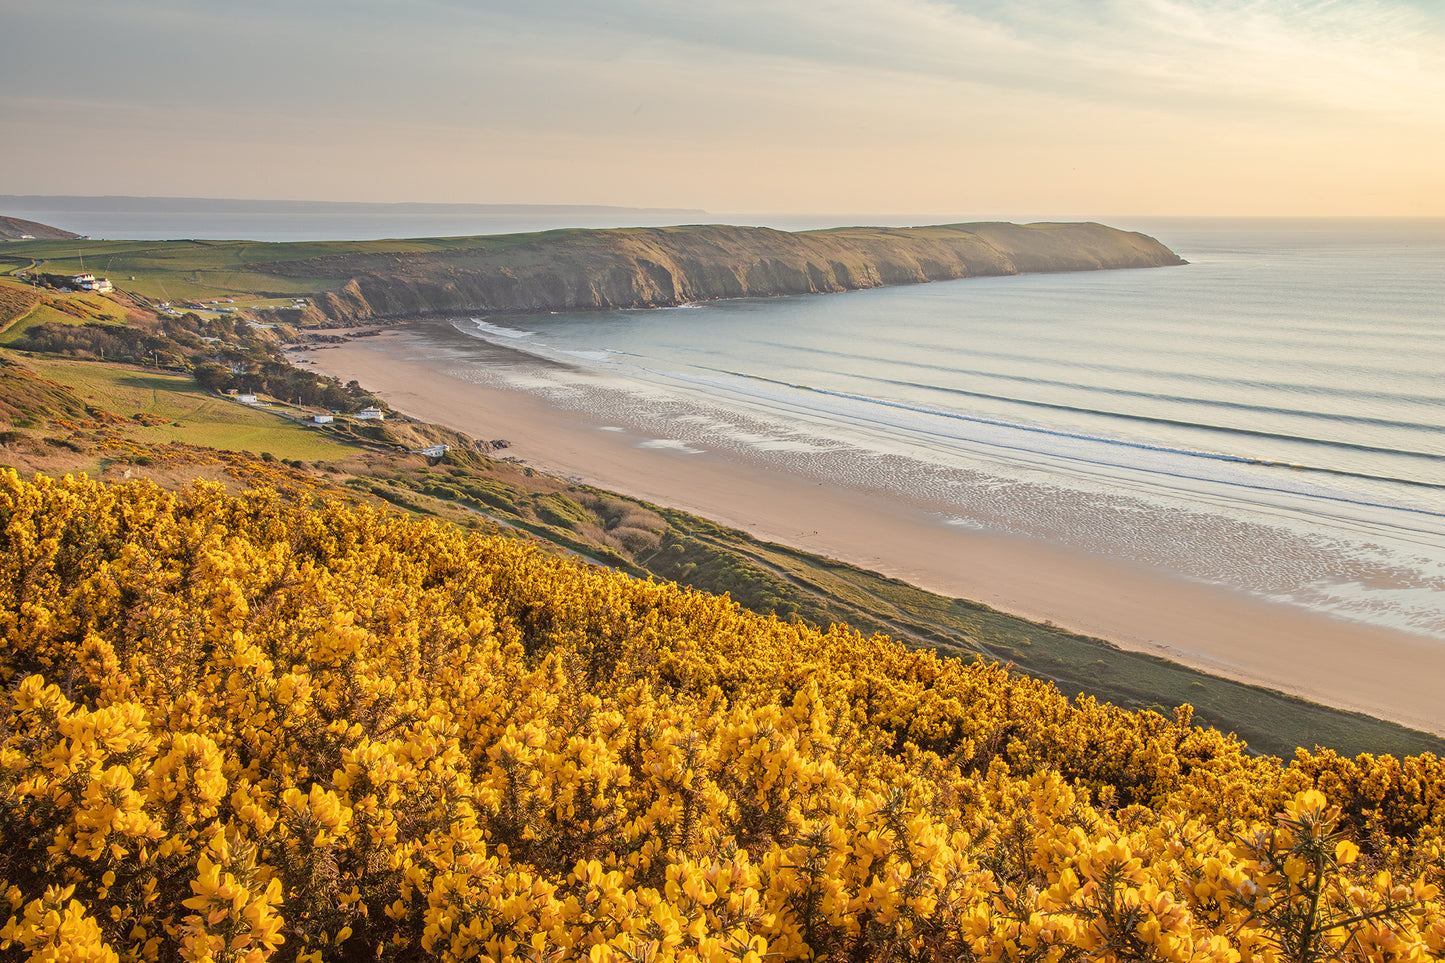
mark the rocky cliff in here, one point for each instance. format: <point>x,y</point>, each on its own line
<point>656,267</point>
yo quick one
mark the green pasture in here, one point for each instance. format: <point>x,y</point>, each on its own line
<point>166,270</point>
<point>192,415</point>
<point>41,314</point>
<point>195,269</point>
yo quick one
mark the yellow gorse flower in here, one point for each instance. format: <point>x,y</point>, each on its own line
<point>243,729</point>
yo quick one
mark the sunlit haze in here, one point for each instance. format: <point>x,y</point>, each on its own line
<point>1065,108</point>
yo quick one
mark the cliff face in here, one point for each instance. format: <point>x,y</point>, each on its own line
<point>657,267</point>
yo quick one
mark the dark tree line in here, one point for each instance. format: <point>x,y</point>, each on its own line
<point>281,380</point>
<point>221,353</point>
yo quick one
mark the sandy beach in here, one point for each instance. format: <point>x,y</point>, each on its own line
<point>1215,629</point>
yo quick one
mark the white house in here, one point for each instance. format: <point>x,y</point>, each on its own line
<point>322,419</point>
<point>370,414</point>
<point>246,399</point>
<point>89,282</point>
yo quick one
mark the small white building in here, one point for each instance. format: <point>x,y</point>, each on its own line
<point>370,414</point>
<point>89,282</point>
<point>246,399</point>
<point>322,419</point>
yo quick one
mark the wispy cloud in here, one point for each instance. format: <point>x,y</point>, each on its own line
<point>1255,55</point>
<point>1325,54</point>
<point>762,91</point>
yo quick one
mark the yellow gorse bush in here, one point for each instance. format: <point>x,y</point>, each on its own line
<point>241,729</point>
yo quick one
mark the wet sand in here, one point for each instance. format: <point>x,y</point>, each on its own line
<point>1212,628</point>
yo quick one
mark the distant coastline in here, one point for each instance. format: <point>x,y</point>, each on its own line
<point>124,217</point>
<point>131,204</point>
<point>590,270</point>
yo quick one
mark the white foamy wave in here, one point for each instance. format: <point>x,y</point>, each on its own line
<point>501,331</point>
<point>516,339</point>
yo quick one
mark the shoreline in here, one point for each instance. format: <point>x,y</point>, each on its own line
<point>1215,629</point>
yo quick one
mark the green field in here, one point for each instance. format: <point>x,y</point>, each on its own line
<point>175,270</point>
<point>166,270</point>
<point>42,314</point>
<point>191,414</point>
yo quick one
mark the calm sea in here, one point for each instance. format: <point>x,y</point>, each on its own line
<point>1270,417</point>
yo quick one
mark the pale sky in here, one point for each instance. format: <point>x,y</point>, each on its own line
<point>1064,108</point>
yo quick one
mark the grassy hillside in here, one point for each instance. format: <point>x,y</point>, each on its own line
<point>23,307</point>
<point>169,407</point>
<point>16,301</point>
<point>17,228</point>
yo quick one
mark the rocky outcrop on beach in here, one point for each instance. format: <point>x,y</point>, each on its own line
<point>576,270</point>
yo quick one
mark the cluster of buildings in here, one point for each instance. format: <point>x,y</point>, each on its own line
<point>365,414</point>
<point>89,282</point>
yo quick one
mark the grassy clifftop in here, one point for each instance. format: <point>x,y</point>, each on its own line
<point>352,281</point>
<point>655,267</point>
